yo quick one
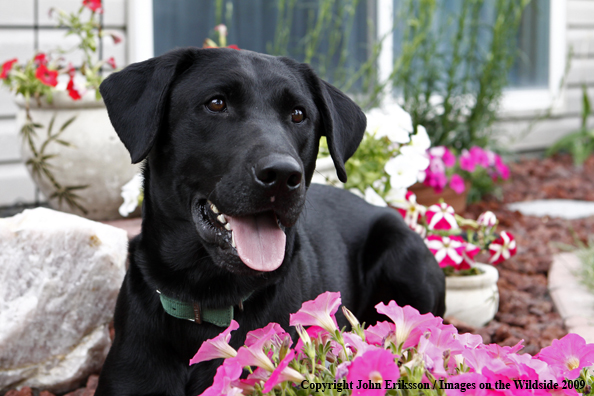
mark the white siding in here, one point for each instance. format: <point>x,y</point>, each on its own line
<point>17,40</point>
<point>580,38</point>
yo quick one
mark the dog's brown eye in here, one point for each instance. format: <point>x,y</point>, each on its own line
<point>297,115</point>
<point>217,105</point>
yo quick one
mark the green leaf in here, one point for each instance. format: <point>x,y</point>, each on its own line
<point>51,125</point>
<point>586,108</point>
<point>67,123</point>
<point>64,143</point>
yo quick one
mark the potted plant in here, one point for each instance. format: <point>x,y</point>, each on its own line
<point>456,242</point>
<point>69,146</point>
<point>459,179</point>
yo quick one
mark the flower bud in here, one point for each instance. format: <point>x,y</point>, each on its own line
<point>350,317</point>
<point>487,219</point>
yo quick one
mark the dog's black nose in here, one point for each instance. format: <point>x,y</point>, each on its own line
<point>278,173</point>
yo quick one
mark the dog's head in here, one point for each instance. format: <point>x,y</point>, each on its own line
<point>231,139</point>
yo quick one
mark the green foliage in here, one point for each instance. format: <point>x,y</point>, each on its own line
<point>367,164</point>
<point>580,143</point>
<point>454,90</point>
<point>326,44</point>
<point>40,165</point>
<point>22,80</point>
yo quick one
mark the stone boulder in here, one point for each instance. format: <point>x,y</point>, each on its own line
<point>59,279</point>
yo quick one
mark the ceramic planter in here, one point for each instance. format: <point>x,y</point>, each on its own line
<point>95,158</point>
<point>473,299</point>
<point>426,196</point>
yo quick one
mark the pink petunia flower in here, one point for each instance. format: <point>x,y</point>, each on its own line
<point>448,251</point>
<point>501,168</point>
<point>228,373</point>
<point>502,248</point>
<point>436,180</point>
<point>409,323</point>
<point>467,162</point>
<point>441,217</point>
<point>254,355</point>
<point>255,335</point>
<point>47,76</point>
<point>353,341</point>
<point>437,345</point>
<point>283,373</point>
<point>6,67</point>
<point>568,355</point>
<point>479,156</point>
<point>374,366</point>
<point>435,174</point>
<point>319,312</point>
<point>217,347</point>
<point>457,183</point>
<point>449,159</point>
<point>377,333</point>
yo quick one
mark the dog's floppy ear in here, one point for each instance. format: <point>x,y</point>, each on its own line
<point>136,98</point>
<point>344,124</point>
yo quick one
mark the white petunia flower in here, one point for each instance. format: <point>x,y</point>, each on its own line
<point>374,198</point>
<point>131,193</point>
<point>396,124</point>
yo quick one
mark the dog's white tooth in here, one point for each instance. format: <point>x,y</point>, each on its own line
<point>272,198</point>
<point>233,239</point>
<point>228,227</point>
<point>221,218</point>
<point>214,208</point>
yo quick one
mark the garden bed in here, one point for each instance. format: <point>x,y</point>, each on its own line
<point>526,310</point>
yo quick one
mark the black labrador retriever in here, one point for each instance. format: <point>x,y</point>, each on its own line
<point>231,226</point>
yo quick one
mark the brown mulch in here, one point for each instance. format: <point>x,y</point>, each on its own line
<point>526,310</point>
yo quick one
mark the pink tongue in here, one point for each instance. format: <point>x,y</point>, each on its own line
<point>259,241</point>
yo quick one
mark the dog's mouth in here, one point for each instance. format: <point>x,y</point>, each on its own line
<point>258,239</point>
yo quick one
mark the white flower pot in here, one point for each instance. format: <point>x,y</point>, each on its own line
<point>97,157</point>
<point>473,299</point>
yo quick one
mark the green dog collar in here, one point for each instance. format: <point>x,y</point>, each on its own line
<point>193,312</point>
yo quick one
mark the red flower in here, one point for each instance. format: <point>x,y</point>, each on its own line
<point>111,62</point>
<point>116,38</point>
<point>6,66</point>
<point>73,92</point>
<point>233,46</point>
<point>93,5</point>
<point>47,76</point>
<point>502,248</point>
<point>40,59</point>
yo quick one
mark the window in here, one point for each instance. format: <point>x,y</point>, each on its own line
<point>299,29</point>
<point>254,25</point>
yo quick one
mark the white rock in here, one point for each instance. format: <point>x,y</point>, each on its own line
<point>59,278</point>
<point>564,208</point>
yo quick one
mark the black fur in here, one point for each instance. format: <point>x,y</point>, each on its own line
<point>335,241</point>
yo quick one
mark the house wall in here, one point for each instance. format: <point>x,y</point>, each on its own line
<point>517,131</point>
<point>18,39</point>
<point>25,27</point>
